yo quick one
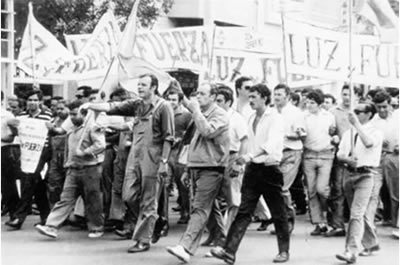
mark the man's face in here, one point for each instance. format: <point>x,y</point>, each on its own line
<point>383,109</point>
<point>33,103</point>
<point>346,96</point>
<point>53,106</point>
<point>255,100</point>
<point>61,111</point>
<point>328,103</point>
<point>395,102</point>
<point>220,100</point>
<point>76,117</point>
<point>362,116</point>
<point>144,87</point>
<point>174,100</point>
<point>14,107</point>
<point>203,95</point>
<point>312,106</point>
<point>244,89</point>
<point>280,97</point>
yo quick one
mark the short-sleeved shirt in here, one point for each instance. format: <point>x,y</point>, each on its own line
<point>163,126</point>
<point>237,129</point>
<point>317,128</point>
<point>341,119</point>
<point>294,119</point>
<point>390,129</point>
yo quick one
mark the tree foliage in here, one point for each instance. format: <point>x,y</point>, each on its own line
<point>81,16</point>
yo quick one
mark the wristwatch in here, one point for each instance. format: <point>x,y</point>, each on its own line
<point>164,160</point>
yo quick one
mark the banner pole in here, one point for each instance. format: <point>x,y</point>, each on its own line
<point>31,39</point>
<point>284,48</point>
<point>350,36</point>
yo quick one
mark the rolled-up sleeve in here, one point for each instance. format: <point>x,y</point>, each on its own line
<point>126,108</point>
<point>167,123</point>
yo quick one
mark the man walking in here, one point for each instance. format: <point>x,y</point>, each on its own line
<point>262,177</point>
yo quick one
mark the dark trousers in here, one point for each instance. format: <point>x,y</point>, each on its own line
<point>336,201</point>
<point>10,170</point>
<point>107,178</point>
<point>56,176</point>
<point>32,185</point>
<point>298,192</point>
<point>267,181</point>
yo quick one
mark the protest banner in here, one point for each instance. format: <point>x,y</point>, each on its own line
<point>324,53</point>
<point>75,42</point>
<point>32,135</point>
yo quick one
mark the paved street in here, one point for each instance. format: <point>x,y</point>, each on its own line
<point>27,247</point>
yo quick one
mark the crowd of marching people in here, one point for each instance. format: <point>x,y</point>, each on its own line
<point>232,156</point>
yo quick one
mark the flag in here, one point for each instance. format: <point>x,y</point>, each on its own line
<point>40,50</point>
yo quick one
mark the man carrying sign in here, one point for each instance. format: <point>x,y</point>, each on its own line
<point>32,183</point>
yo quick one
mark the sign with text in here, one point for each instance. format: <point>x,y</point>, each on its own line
<point>32,135</point>
<point>325,54</point>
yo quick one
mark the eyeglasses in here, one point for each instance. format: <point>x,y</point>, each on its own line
<point>357,111</point>
<point>247,87</point>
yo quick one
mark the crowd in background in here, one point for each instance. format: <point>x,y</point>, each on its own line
<point>232,156</point>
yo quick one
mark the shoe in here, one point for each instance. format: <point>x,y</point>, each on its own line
<point>95,234</point>
<point>335,232</point>
<point>208,254</point>
<point>386,223</point>
<point>220,253</point>
<point>348,257</point>
<point>281,257</point>
<point>209,242</point>
<point>177,208</point>
<point>183,220</point>
<point>40,223</point>
<point>264,225</point>
<point>15,223</point>
<point>47,230</point>
<point>301,211</point>
<point>179,252</point>
<point>368,251</point>
<point>124,233</point>
<point>395,234</point>
<point>319,230</point>
<point>139,247</point>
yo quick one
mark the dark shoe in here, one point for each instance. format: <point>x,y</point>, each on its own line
<point>15,223</point>
<point>335,232</point>
<point>264,225</point>
<point>348,257</point>
<point>160,232</point>
<point>220,253</point>
<point>177,208</point>
<point>209,242</point>
<point>369,251</point>
<point>164,230</point>
<point>386,223</point>
<point>124,233</point>
<point>281,257</point>
<point>301,211</point>
<point>319,230</point>
<point>139,247</point>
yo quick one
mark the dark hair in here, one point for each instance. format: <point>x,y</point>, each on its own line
<point>76,104</point>
<point>119,92</point>
<point>21,103</point>
<point>369,107</point>
<point>174,91</point>
<point>331,97</point>
<point>239,82</point>
<point>294,97</point>
<point>283,86</point>
<point>393,91</point>
<point>372,92</point>
<point>57,98</point>
<point>381,96</point>
<point>2,95</point>
<point>87,90</point>
<point>263,90</point>
<point>213,88</point>
<point>305,91</point>
<point>317,96</point>
<point>153,82</point>
<point>226,92</point>
<point>35,92</point>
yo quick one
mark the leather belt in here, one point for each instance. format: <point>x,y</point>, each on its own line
<point>233,152</point>
<point>83,166</point>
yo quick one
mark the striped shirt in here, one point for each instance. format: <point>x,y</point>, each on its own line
<point>42,115</point>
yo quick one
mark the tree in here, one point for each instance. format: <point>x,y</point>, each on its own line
<point>81,16</point>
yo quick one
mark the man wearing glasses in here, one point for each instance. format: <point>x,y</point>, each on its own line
<point>360,150</point>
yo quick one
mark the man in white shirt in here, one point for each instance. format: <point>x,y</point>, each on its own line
<point>360,150</point>
<point>388,124</point>
<point>318,158</point>
<point>292,144</point>
<point>262,177</point>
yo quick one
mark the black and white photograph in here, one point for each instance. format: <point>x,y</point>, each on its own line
<point>203,132</point>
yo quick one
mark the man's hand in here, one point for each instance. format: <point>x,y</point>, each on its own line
<point>193,105</point>
<point>163,169</point>
<point>13,123</point>
<point>353,119</point>
<point>79,152</point>
<point>244,159</point>
<point>185,179</point>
